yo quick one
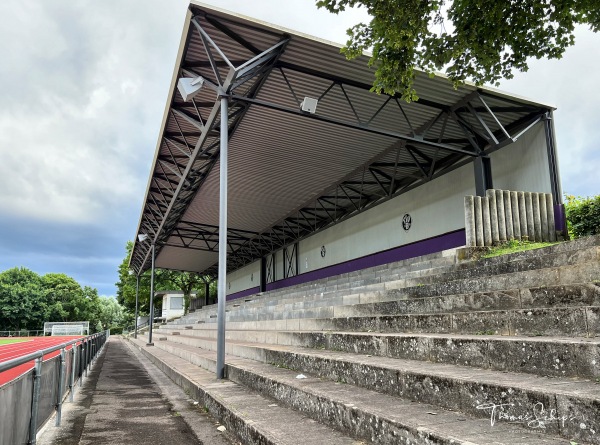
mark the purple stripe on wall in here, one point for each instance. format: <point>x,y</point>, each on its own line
<point>431,245</point>
<point>243,293</point>
<point>560,217</point>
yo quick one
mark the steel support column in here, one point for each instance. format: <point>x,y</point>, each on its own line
<point>206,292</point>
<point>263,274</point>
<point>222,290</point>
<point>483,175</point>
<point>151,321</point>
<point>61,389</point>
<point>553,159</point>
<point>35,401</point>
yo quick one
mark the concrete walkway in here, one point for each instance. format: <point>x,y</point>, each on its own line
<point>126,400</point>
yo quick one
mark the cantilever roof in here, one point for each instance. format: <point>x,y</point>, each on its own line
<point>292,173</point>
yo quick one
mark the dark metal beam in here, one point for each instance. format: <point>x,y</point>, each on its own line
<point>364,128</point>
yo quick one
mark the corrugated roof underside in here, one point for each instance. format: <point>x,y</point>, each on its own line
<point>273,171</point>
<point>279,162</point>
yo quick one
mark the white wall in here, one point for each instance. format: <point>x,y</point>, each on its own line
<point>244,278</point>
<point>435,208</point>
<point>523,165</point>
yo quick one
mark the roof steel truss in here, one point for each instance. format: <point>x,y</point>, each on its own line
<point>452,136</point>
<point>179,173</point>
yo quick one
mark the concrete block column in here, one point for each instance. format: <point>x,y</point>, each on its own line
<point>516,218</point>
<point>508,215</point>
<point>550,211</point>
<point>522,215</point>
<point>500,215</point>
<point>491,195</point>
<point>487,224</point>
<point>529,215</point>
<point>537,219</point>
<point>479,237</point>
<point>544,217</point>
<point>470,221</point>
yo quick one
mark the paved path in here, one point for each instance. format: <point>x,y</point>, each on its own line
<point>126,400</point>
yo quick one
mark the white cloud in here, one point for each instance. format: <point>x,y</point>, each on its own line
<point>76,121</point>
<point>83,86</point>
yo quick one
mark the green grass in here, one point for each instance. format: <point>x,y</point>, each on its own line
<point>8,341</point>
<point>514,246</point>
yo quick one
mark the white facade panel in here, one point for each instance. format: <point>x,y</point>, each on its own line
<point>523,165</point>
<point>435,208</point>
<point>245,278</point>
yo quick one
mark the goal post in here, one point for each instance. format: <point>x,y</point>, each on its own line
<point>67,328</point>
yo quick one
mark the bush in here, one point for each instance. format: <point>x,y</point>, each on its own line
<point>583,215</point>
<point>116,330</point>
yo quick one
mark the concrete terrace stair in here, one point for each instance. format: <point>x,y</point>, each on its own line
<point>254,418</point>
<point>543,356</point>
<point>428,350</point>
<point>381,408</point>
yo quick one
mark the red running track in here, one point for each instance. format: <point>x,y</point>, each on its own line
<point>32,344</point>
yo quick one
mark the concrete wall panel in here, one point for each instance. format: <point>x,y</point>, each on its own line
<point>523,165</point>
<point>435,208</point>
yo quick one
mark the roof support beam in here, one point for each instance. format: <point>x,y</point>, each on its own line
<point>355,126</point>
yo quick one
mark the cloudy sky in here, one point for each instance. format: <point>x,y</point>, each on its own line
<point>82,90</point>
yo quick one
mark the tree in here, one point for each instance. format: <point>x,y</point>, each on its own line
<point>478,40</point>
<point>22,301</point>
<point>126,286</point>
<point>63,297</point>
<point>27,300</point>
<point>91,308</point>
<point>111,313</point>
<point>66,300</point>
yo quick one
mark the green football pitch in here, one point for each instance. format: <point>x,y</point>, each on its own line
<point>8,341</point>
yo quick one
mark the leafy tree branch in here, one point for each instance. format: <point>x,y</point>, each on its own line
<point>478,40</point>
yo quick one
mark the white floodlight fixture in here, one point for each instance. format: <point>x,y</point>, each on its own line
<point>188,87</point>
<point>309,105</point>
<point>142,237</point>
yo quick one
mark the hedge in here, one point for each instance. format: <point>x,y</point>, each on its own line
<point>583,215</point>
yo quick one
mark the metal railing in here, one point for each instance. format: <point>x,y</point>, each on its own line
<point>140,327</point>
<point>29,400</point>
<point>131,329</point>
<point>22,333</point>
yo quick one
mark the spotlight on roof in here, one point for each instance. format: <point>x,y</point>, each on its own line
<point>142,237</point>
<point>309,105</point>
<point>188,87</point>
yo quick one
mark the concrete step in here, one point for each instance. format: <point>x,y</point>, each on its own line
<point>556,321</point>
<point>252,417</point>
<point>581,321</point>
<point>584,272</point>
<point>377,402</point>
<point>386,277</point>
<point>577,294</point>
<point>544,356</point>
<point>312,306</point>
<point>574,295</point>
<point>523,261</point>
